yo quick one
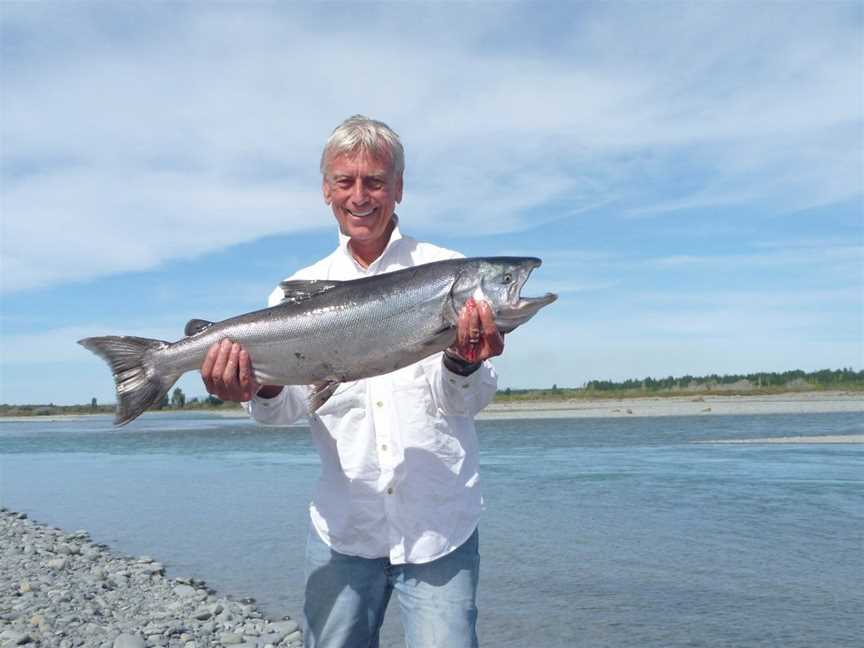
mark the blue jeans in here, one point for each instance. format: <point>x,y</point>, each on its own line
<point>346,597</point>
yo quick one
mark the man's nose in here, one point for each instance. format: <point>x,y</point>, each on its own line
<point>358,191</point>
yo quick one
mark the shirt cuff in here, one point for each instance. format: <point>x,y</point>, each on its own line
<point>262,408</point>
<point>455,380</point>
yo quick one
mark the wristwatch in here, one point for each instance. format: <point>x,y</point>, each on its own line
<point>459,365</point>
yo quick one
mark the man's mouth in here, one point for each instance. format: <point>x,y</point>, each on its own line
<point>361,214</point>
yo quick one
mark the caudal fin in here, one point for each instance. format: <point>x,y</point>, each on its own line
<point>140,383</point>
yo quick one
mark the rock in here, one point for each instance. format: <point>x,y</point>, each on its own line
<point>294,636</point>
<point>69,592</point>
<point>271,639</point>
<point>129,641</point>
<point>286,627</point>
<point>14,638</point>
<point>153,568</point>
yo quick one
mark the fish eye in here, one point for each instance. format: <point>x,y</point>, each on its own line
<point>508,277</point>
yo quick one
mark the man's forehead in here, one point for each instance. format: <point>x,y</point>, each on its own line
<point>360,163</point>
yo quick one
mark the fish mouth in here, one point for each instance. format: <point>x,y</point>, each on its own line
<point>520,309</point>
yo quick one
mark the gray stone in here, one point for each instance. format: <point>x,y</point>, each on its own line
<point>129,641</point>
<point>14,638</point>
<point>286,627</point>
<point>230,638</point>
<point>294,636</point>
<point>185,590</point>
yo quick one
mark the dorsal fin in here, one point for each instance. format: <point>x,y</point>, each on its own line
<point>194,326</point>
<point>297,290</point>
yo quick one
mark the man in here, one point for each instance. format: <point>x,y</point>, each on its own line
<point>398,501</point>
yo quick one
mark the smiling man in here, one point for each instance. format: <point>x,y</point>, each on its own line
<point>398,502</point>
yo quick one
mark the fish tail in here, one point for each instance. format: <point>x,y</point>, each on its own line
<point>139,381</point>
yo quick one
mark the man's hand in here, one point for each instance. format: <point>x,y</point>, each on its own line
<point>477,337</point>
<point>227,373</point>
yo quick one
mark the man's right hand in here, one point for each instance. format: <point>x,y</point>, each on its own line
<point>227,374</point>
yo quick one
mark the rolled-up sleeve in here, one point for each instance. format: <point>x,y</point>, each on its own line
<point>457,395</point>
<point>289,406</point>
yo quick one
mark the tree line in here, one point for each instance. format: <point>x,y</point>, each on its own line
<point>822,378</point>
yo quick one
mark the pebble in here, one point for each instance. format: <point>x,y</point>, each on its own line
<point>129,641</point>
<point>61,590</point>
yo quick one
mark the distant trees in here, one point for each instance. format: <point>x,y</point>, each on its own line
<point>822,378</point>
<point>178,398</point>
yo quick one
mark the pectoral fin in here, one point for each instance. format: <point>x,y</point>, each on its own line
<point>321,392</point>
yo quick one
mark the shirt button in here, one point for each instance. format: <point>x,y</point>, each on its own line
<point>380,403</point>
<point>390,491</point>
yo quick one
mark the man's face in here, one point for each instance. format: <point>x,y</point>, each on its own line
<point>362,191</point>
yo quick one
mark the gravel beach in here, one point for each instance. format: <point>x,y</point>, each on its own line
<point>59,589</point>
<point>721,404</point>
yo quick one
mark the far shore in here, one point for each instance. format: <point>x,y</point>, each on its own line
<point>814,402</point>
<point>713,405</point>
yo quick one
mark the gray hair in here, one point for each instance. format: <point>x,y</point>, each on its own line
<point>360,134</point>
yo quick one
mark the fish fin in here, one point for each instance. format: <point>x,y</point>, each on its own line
<point>297,290</point>
<point>321,392</point>
<point>194,326</point>
<point>139,381</point>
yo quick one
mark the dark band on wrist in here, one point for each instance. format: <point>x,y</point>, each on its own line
<point>459,366</point>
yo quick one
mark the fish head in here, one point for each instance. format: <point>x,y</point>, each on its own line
<point>499,281</point>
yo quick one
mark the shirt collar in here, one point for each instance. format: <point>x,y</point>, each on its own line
<point>395,236</point>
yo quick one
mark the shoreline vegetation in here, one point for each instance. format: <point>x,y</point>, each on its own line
<point>839,385</point>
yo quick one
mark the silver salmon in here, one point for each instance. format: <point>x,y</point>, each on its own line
<point>328,332</point>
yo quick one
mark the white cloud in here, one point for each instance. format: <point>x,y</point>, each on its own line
<point>128,143</point>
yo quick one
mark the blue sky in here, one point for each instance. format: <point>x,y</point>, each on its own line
<point>692,174</point>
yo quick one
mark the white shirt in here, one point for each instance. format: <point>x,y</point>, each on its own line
<point>399,455</point>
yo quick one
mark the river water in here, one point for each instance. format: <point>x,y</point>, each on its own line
<point>597,532</point>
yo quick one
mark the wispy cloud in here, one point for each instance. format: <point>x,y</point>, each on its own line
<point>201,127</point>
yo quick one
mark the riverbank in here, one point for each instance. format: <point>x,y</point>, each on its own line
<point>60,590</point>
<point>787,403</point>
<point>816,402</point>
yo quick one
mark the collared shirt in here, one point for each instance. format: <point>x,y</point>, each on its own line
<point>399,454</point>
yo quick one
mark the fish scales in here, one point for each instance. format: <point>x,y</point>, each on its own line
<point>328,331</point>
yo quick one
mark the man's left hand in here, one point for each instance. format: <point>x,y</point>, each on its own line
<point>477,337</point>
